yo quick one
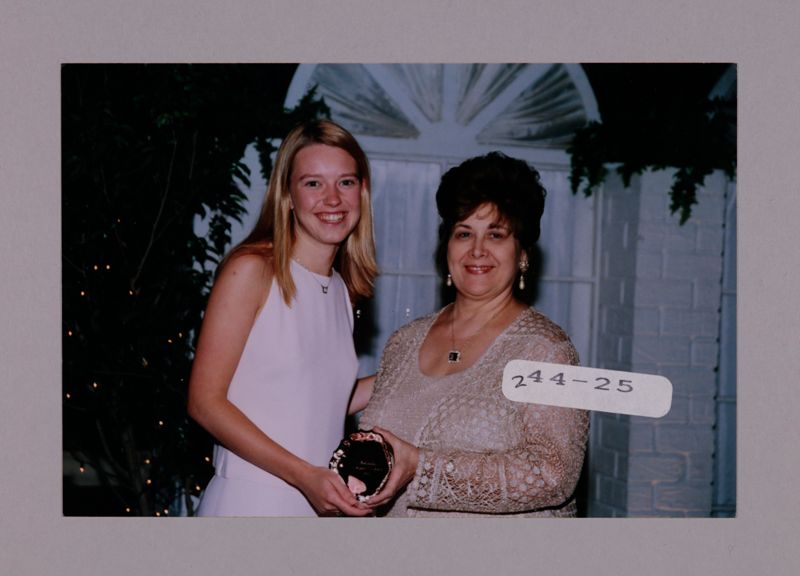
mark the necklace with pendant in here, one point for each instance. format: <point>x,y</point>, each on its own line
<point>454,355</point>
<point>315,276</point>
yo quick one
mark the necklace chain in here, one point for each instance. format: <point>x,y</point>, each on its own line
<point>454,355</point>
<point>314,275</point>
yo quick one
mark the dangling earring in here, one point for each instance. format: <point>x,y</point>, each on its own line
<point>523,267</point>
<point>449,280</point>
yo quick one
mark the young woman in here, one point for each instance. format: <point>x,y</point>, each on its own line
<point>275,363</point>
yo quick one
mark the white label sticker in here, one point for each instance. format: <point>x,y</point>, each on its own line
<point>587,388</point>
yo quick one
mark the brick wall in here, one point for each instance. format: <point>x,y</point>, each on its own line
<point>659,301</point>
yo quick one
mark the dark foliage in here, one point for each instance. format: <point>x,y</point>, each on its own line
<point>655,117</point>
<point>148,149</point>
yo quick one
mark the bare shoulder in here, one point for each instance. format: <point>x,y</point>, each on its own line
<point>248,265</point>
<point>245,277</point>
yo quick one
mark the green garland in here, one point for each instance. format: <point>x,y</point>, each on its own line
<point>696,141</point>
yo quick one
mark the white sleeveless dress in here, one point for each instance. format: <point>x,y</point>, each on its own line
<point>294,380</point>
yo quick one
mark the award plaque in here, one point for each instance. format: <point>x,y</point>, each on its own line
<point>363,460</point>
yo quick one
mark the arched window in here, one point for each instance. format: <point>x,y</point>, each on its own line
<point>415,121</point>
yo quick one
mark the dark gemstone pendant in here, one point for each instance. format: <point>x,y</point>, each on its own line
<point>453,356</point>
<point>324,289</point>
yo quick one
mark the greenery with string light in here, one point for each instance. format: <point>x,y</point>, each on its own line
<point>146,150</point>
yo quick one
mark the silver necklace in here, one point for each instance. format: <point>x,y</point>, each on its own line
<point>314,275</point>
<point>454,355</point>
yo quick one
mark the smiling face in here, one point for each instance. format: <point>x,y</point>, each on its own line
<point>483,255</point>
<point>325,195</point>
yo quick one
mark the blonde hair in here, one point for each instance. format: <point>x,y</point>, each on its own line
<point>274,235</point>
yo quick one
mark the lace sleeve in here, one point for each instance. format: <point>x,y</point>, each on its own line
<point>540,472</point>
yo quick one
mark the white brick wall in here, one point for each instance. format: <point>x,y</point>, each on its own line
<point>659,301</point>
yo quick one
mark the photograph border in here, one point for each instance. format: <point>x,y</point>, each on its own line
<point>760,39</point>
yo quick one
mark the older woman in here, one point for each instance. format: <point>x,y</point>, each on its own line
<point>461,448</point>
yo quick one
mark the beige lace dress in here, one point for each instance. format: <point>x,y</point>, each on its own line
<point>480,453</point>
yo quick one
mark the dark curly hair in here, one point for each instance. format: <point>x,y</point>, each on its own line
<point>510,184</point>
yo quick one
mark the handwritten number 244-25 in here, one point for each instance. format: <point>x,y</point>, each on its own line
<point>604,383</point>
